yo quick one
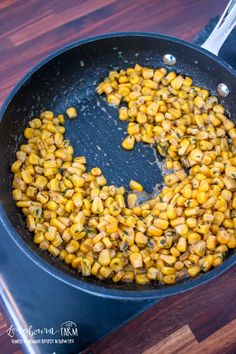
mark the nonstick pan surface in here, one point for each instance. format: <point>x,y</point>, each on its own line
<point>69,77</point>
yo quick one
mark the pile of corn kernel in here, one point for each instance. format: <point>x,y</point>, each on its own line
<point>98,229</point>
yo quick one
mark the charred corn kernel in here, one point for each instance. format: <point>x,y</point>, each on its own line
<point>161,224</point>
<point>182,244</point>
<point>179,265</point>
<point>142,279</point>
<point>147,73</point>
<point>232,242</point>
<point>33,159</point>
<point>228,224</point>
<point>203,186</point>
<point>71,112</point>
<point>24,203</point>
<point>50,233</point>
<point>76,231</point>
<point>123,113</point>
<point>169,279</point>
<point>114,209</point>
<point>105,272</point>
<point>170,260</point>
<point>44,245</point>
<point>217,260</point>
<point>97,206</point>
<point>193,271</point>
<point>152,273</point>
<point>191,222</point>
<point>77,181</point>
<point>202,229</point>
<point>51,205</point>
<point>170,180</point>
<point>187,192</point>
<point>72,246</point>
<point>136,186</point>
<point>174,252</point>
<point>29,133</point>
<point>17,194</point>
<point>181,229</point>
<point>38,238</point>
<point>128,143</point>
<point>70,206</point>
<point>118,276</point>
<point>152,109</point>
<point>171,212</point>
<point>211,242</point>
<point>116,264</point>
<point>85,267</point>
<point>200,248</point>
<point>95,268</point>
<point>199,101</point>
<point>202,197</point>
<point>196,155</point>
<point>189,212</point>
<point>168,270</point>
<point>218,218</point>
<point>53,250</point>
<point>231,172</point>
<point>140,238</point>
<point>177,82</point>
<point>131,200</point>
<point>27,177</point>
<point>222,249</point>
<point>206,262</point>
<point>104,257</point>
<point>15,167</point>
<point>58,224</point>
<point>136,260</point>
<point>193,237</point>
<point>31,191</point>
<point>40,182</point>
<point>223,236</point>
<point>120,200</point>
<point>86,246</point>
<point>30,222</point>
<point>57,241</point>
<point>69,258</point>
<point>154,231</point>
<point>111,228</point>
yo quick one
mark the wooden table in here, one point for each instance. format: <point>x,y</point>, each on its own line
<point>202,320</point>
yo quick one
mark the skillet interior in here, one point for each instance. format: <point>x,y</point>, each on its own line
<point>70,78</point>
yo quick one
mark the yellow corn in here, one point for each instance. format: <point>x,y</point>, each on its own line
<point>136,186</point>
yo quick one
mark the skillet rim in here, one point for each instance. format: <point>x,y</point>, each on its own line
<point>119,294</point>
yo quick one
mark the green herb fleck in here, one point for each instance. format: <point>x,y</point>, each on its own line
<point>124,246</point>
<point>120,56</point>
<point>150,244</point>
<point>89,230</point>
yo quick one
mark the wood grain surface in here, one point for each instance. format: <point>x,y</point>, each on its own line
<point>203,320</point>
<point>31,29</point>
<point>200,321</point>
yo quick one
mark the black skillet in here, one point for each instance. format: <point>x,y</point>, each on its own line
<point>68,77</point>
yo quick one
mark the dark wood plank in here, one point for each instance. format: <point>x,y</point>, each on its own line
<point>29,30</point>
<point>6,346</point>
<point>203,312</point>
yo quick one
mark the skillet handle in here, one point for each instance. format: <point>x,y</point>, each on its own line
<point>223,28</point>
